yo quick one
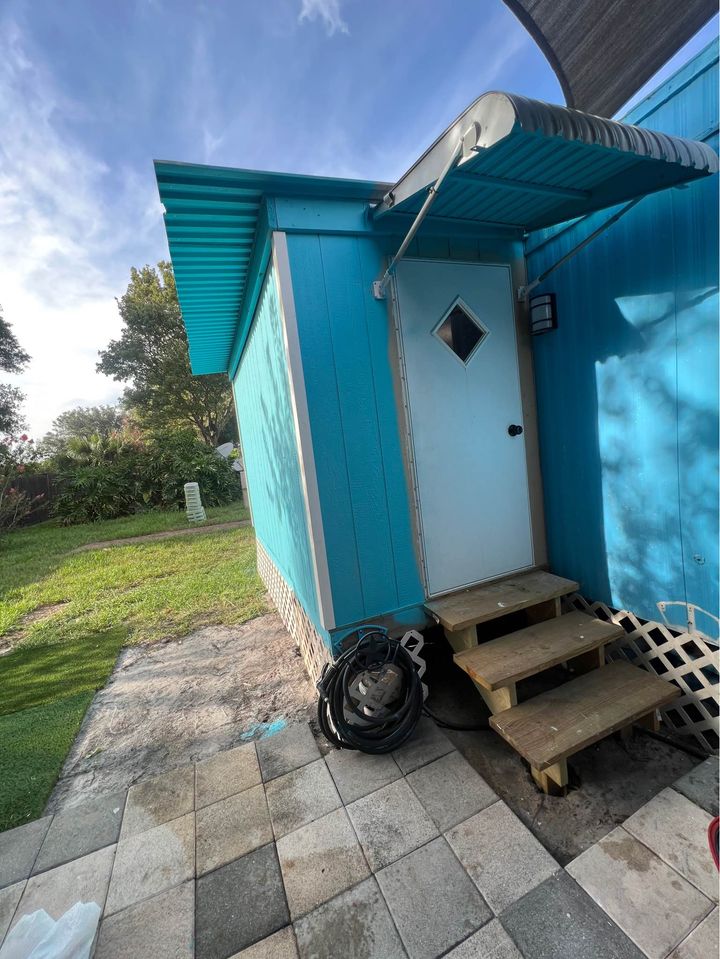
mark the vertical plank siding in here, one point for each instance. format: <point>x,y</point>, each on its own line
<point>263,401</point>
<point>346,341</point>
<point>326,427</point>
<point>628,384</point>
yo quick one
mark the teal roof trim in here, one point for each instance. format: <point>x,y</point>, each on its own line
<point>218,222</point>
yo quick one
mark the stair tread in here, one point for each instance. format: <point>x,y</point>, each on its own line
<point>490,600</point>
<point>528,651</point>
<point>562,721</point>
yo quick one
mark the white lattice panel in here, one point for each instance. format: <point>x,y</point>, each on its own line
<point>313,650</point>
<point>685,659</point>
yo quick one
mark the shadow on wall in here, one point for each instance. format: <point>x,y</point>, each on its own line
<point>657,437</point>
<point>281,479</point>
<point>628,407</point>
<point>271,460</point>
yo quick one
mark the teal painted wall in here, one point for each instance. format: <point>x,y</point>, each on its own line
<point>345,341</point>
<point>262,398</point>
<point>628,385</point>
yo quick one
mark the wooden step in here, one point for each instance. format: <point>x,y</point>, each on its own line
<point>458,611</point>
<point>505,661</point>
<point>549,728</point>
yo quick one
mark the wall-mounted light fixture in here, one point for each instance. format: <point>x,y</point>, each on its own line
<point>543,315</point>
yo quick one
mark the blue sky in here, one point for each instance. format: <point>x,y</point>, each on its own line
<point>92,90</point>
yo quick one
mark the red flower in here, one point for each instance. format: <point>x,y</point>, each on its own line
<point>23,438</point>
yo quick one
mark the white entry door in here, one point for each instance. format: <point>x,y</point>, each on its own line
<point>462,384</point>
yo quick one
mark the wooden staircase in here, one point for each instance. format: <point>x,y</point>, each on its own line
<point>549,728</point>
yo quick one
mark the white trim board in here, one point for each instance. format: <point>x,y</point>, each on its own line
<point>301,415</point>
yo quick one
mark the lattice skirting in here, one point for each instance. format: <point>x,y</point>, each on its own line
<point>313,650</point>
<point>682,658</point>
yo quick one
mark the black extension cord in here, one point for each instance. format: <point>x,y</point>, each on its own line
<point>337,707</point>
<point>459,727</point>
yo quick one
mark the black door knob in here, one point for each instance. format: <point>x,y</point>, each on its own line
<point>514,430</point>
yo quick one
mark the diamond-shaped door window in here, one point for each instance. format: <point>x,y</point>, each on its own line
<point>461,331</point>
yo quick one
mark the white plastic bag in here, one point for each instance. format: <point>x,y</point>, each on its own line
<point>38,936</point>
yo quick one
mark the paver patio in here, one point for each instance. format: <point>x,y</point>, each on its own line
<point>274,851</point>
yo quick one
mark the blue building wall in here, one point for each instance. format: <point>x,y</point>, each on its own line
<point>267,427</point>
<point>346,343</point>
<point>627,387</point>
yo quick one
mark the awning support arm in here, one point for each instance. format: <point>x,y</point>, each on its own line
<point>379,286</point>
<point>524,291</point>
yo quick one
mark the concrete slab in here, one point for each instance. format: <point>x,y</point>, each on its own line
<point>617,777</point>
<point>432,899</point>
<point>427,743</point>
<point>650,902</point>
<point>84,880</point>
<point>319,861</point>
<point>81,830</point>
<point>239,904</point>
<point>356,774</point>
<point>557,920</point>
<point>158,800</point>
<point>171,704</point>
<point>281,945</point>
<point>295,746</point>
<point>702,943</point>
<point>354,925</point>
<point>490,942</point>
<point>9,898</point>
<point>450,790</point>
<point>152,861</point>
<point>231,828</point>
<point>159,928</point>
<point>503,857</point>
<point>227,773</point>
<point>300,797</point>
<point>676,830</point>
<point>700,785</point>
<point>19,848</point>
<point>390,823</point>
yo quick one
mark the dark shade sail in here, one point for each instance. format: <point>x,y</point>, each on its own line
<point>603,51</point>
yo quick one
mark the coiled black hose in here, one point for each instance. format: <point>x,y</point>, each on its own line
<point>337,708</point>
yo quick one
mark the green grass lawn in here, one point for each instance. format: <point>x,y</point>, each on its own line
<point>102,599</point>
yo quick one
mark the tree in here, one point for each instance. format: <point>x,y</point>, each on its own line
<point>12,359</point>
<point>152,353</point>
<point>82,422</point>
<point>11,416</point>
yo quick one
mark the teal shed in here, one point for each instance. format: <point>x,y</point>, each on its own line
<point>404,435</point>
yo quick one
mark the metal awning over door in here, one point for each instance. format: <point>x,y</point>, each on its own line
<point>528,164</point>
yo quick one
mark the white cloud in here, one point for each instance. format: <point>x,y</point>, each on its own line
<point>68,225</point>
<point>328,11</point>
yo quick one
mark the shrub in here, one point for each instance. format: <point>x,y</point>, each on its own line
<point>16,455</point>
<point>178,458</point>
<point>103,478</point>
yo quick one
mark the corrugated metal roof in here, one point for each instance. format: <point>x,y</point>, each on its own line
<point>212,219</point>
<point>537,164</point>
<point>602,53</point>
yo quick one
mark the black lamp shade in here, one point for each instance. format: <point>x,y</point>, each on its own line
<point>543,315</point>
